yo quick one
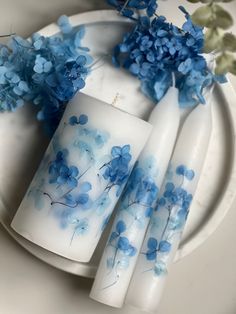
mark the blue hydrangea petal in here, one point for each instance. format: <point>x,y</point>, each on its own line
<point>120,227</point>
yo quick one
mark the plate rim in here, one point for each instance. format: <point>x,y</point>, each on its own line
<point>208,227</point>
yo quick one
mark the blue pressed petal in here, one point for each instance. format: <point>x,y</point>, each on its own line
<point>113,236</point>
<point>123,244</point>
<point>38,68</point>
<point>180,170</point>
<point>64,170</point>
<point>152,243</point>
<point>116,151</point>
<point>125,149</point>
<point>73,120</point>
<point>83,119</point>
<point>169,186</point>
<point>132,251</point>
<point>164,246</point>
<point>120,226</point>
<point>85,187</point>
<point>74,171</point>
<point>72,182</point>
<point>148,212</point>
<point>134,68</point>
<point>61,180</point>
<point>82,199</point>
<point>151,255</point>
<point>189,174</point>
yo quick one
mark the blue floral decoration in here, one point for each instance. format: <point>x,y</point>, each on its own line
<point>155,49</point>
<point>176,201</point>
<point>46,71</point>
<point>69,192</point>
<point>130,7</point>
<point>120,244</point>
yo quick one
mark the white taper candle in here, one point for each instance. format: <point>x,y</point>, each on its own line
<point>168,220</point>
<point>136,205</point>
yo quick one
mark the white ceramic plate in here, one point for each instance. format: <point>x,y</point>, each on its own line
<point>22,144</point>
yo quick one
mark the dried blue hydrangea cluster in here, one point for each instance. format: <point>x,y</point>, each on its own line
<point>129,8</point>
<point>155,49</point>
<point>46,71</point>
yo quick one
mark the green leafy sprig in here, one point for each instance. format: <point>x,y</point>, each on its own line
<point>217,40</point>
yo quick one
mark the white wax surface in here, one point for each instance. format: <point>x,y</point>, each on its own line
<point>70,230</point>
<point>146,286</point>
<point>111,285</point>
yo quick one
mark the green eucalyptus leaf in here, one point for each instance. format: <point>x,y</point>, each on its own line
<point>229,42</point>
<point>233,68</point>
<point>213,39</point>
<point>194,1</point>
<point>221,17</point>
<point>224,63</point>
<point>223,0</point>
<point>203,16</point>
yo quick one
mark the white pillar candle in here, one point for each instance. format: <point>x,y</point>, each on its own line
<point>136,205</point>
<point>168,220</point>
<point>81,177</point>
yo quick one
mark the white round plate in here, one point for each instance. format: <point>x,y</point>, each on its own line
<point>22,143</point>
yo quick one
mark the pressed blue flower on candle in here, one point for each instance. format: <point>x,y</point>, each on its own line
<point>122,250</point>
<point>117,169</point>
<point>82,120</point>
<point>101,203</point>
<point>152,249</point>
<point>67,175</point>
<point>174,198</point>
<point>67,187</point>
<point>81,227</point>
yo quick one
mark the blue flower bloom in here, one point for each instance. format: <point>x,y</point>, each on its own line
<point>83,119</point>
<point>187,173</point>
<point>117,170</point>
<point>61,173</point>
<point>67,175</point>
<point>147,192</point>
<point>121,155</point>
<point>125,246</point>
<point>46,71</point>
<point>102,203</point>
<point>101,138</point>
<point>151,253</point>
<point>155,49</point>
<point>120,228</point>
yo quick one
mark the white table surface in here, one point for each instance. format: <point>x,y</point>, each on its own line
<point>202,283</point>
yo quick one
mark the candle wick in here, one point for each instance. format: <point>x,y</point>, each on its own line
<point>173,79</point>
<point>116,98</point>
